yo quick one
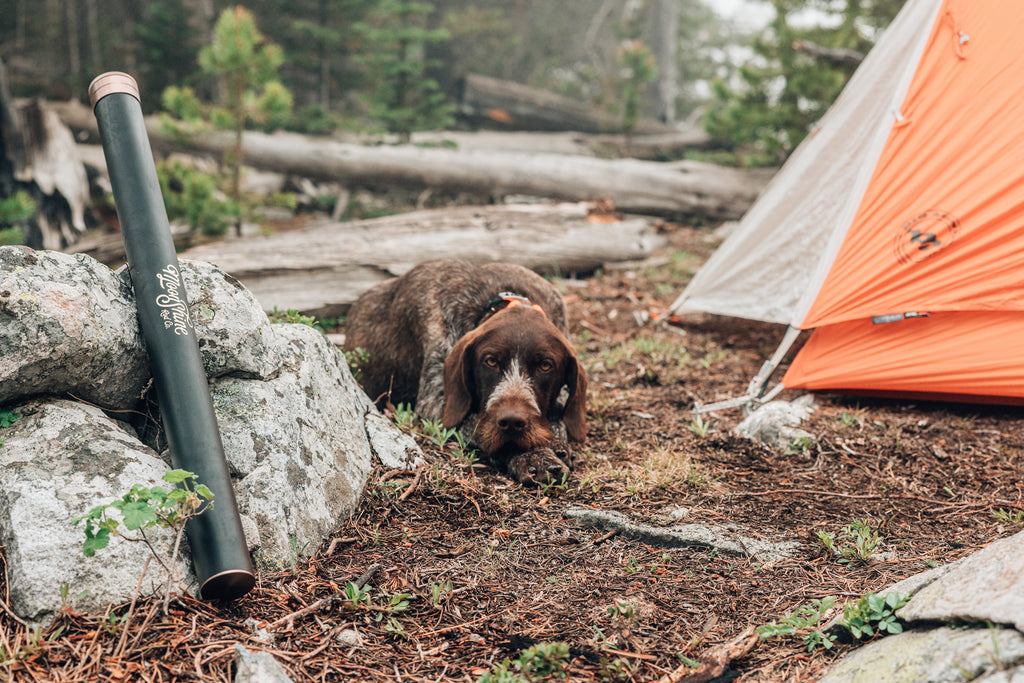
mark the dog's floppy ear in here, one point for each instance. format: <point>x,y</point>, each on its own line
<point>458,382</point>
<point>574,418</point>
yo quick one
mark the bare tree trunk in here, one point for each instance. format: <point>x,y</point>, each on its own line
<point>496,103</point>
<point>664,43</point>
<point>38,156</point>
<point>20,21</point>
<point>92,16</point>
<point>71,36</point>
<point>325,61</point>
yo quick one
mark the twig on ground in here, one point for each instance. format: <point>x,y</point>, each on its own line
<point>123,642</point>
<point>324,602</point>
<point>715,661</point>
<point>412,485</point>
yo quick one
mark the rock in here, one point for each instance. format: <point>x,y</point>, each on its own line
<point>67,326</point>
<point>687,535</point>
<point>258,667</point>
<point>59,460</point>
<point>234,335</point>
<point>938,656</point>
<point>298,445</point>
<point>987,586</point>
<point>299,434</point>
<point>259,631</point>
<point>394,448</point>
<point>778,423</point>
<point>350,638</point>
<point>984,587</point>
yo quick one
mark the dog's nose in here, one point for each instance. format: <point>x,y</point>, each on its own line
<point>511,422</point>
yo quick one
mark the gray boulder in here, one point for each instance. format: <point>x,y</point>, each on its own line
<point>964,622</point>
<point>297,444</point>
<point>67,326</point>
<point>59,460</point>
<point>299,435</point>
<point>941,655</point>
<point>235,337</point>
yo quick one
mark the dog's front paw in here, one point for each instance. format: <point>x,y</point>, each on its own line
<point>538,466</point>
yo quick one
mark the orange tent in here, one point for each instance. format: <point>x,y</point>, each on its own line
<point>895,230</point>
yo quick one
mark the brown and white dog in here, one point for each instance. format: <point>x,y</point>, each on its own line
<point>481,348</point>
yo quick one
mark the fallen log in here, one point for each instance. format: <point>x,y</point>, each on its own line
<point>320,270</point>
<point>676,190</point>
<point>507,105</point>
<point>653,146</point>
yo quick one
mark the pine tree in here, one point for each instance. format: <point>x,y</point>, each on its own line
<point>404,97</point>
<point>782,91</point>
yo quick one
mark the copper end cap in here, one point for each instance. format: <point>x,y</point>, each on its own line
<point>112,82</point>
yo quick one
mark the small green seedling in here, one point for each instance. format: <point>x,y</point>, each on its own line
<point>1014,519</point>
<point>873,614</point>
<point>7,419</point>
<point>802,621</point>
<point>539,662</point>
<point>857,543</point>
<point>700,426</point>
<point>144,508</point>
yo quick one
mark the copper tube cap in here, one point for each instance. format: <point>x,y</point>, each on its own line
<point>112,82</point>
<point>227,585</point>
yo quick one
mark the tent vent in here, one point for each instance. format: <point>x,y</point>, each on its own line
<point>896,317</point>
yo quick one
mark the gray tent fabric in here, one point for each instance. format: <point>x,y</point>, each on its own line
<point>773,263</point>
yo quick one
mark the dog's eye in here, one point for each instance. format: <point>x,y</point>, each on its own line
<point>490,361</point>
<point>546,365</point>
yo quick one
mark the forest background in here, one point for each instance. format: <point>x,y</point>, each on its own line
<point>351,64</point>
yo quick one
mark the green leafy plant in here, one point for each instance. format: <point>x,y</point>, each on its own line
<point>800,446</point>
<point>848,419</point>
<point>65,596</point>
<point>450,438</point>
<point>802,621</point>
<point>290,316</point>
<point>37,643</point>
<point>873,614</point>
<point>543,660</point>
<point>856,544</point>
<point>404,416</point>
<point>295,553</point>
<point>191,196</point>
<point>7,419</point>
<point>549,485</point>
<point>14,210</point>
<point>356,594</point>
<point>399,602</point>
<point>440,592</point>
<point>1014,518</point>
<point>638,68</point>
<point>700,426</point>
<point>145,508</point>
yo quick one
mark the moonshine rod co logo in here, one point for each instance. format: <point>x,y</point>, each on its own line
<point>173,309</point>
<point>924,235</point>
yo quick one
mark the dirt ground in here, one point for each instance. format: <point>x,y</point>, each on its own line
<point>468,569</point>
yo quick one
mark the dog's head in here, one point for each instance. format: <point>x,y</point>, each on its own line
<point>510,371</point>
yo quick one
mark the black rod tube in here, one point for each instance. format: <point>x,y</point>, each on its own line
<point>219,551</point>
